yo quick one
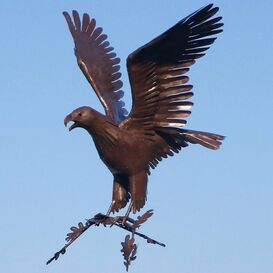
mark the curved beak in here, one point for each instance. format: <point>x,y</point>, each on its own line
<point>69,118</point>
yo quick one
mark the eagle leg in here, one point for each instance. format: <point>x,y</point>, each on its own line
<point>138,189</point>
<point>120,195</point>
<point>126,217</point>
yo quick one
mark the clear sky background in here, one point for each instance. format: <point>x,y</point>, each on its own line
<point>213,209</point>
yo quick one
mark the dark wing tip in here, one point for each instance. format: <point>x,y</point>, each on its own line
<point>77,20</point>
<point>201,14</point>
<point>69,21</point>
<point>205,9</point>
<point>85,21</point>
<point>208,7</point>
<point>75,12</point>
<point>66,16</point>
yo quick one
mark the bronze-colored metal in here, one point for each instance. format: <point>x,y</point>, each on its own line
<point>131,145</point>
<point>128,247</point>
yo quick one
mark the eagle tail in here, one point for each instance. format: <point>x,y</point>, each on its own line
<point>208,140</point>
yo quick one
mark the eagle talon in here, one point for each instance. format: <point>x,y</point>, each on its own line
<point>126,217</point>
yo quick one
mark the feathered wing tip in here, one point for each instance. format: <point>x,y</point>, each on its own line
<point>158,71</point>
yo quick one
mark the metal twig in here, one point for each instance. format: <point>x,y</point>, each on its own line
<point>97,220</point>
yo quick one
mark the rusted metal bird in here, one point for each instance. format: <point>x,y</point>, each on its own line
<point>131,145</point>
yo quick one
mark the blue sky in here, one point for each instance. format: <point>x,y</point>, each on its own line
<point>216,214</point>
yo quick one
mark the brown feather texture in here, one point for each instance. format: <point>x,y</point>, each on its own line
<point>158,72</point>
<point>98,62</point>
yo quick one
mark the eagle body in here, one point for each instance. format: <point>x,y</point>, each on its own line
<point>131,145</point>
<point>122,144</point>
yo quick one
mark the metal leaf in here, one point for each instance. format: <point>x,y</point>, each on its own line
<point>129,249</point>
<point>142,219</point>
<point>76,232</point>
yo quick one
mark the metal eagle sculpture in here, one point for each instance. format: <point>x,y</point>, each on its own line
<point>131,145</point>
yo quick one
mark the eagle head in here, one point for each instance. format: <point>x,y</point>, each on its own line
<point>82,117</point>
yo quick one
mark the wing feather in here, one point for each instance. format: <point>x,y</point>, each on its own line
<point>160,89</point>
<point>98,63</point>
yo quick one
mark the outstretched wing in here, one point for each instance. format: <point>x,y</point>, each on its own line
<point>160,88</point>
<point>98,63</point>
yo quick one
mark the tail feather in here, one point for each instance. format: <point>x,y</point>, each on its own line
<point>208,140</point>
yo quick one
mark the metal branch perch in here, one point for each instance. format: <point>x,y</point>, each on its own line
<point>102,219</point>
